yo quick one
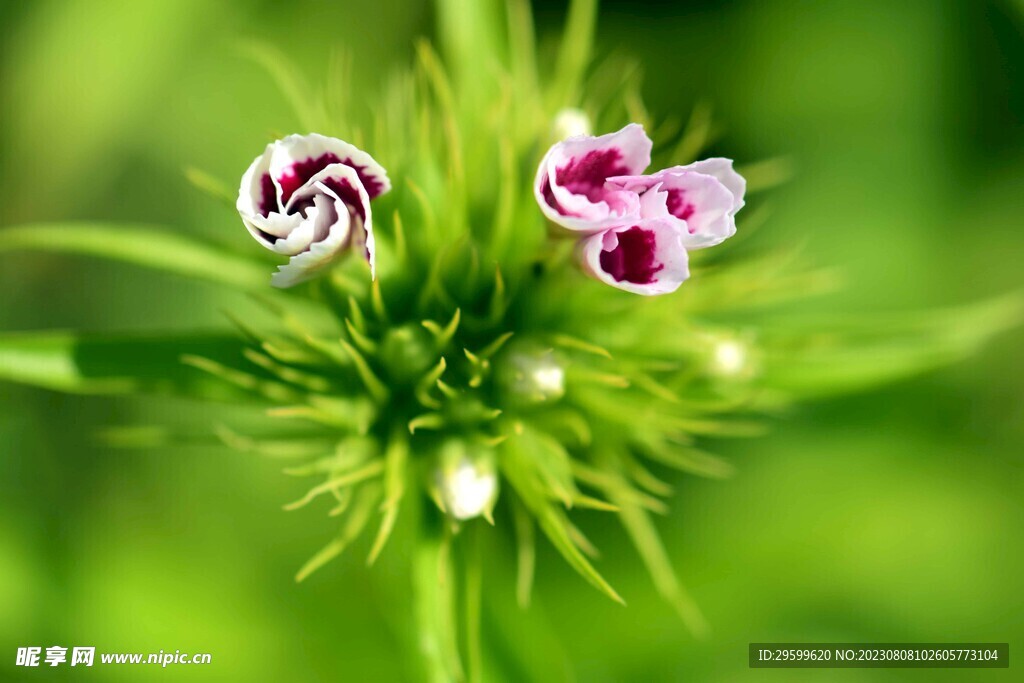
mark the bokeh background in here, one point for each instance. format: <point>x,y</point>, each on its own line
<point>896,516</point>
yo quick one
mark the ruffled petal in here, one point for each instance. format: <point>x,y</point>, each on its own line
<point>336,230</point>
<point>281,233</point>
<point>308,197</point>
<point>699,205</point>
<point>297,158</point>
<point>258,203</point>
<point>571,186</point>
<point>721,168</point>
<point>343,183</point>
<point>258,194</point>
<point>646,258</point>
<point>307,220</point>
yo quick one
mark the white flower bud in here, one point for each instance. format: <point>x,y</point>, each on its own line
<point>728,358</point>
<point>732,358</point>
<point>570,122</point>
<point>467,486</point>
<point>533,375</point>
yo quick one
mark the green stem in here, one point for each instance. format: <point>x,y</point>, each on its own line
<point>433,588</point>
<point>472,587</point>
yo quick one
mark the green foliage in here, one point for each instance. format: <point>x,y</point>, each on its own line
<point>853,355</point>
<point>143,246</point>
<point>107,364</point>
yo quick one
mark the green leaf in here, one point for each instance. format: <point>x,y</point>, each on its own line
<point>272,447</point>
<point>699,134</point>
<point>142,245</point>
<point>522,58</point>
<point>473,44</point>
<point>556,527</point>
<point>309,108</point>
<point>347,456</point>
<point>339,412</point>
<point>353,526</point>
<point>210,185</point>
<point>605,482</point>
<point>373,384</point>
<point>526,553</point>
<point>370,470</point>
<point>441,85</point>
<point>574,52</point>
<point>642,532</point>
<point>686,458</point>
<point>550,463</point>
<point>519,468</point>
<point>396,461</point>
<point>89,364</point>
<point>848,356</point>
<point>272,390</point>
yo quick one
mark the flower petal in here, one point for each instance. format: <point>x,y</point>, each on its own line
<point>258,204</point>
<point>646,257</point>
<point>336,229</point>
<point>306,220</point>
<point>343,183</point>
<point>721,168</point>
<point>280,233</point>
<point>570,186</point>
<point>297,158</point>
<point>699,205</point>
<point>257,195</point>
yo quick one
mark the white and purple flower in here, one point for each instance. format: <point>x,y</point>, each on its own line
<point>647,257</point>
<point>700,199</point>
<point>638,229</point>
<point>572,187</point>
<point>308,197</point>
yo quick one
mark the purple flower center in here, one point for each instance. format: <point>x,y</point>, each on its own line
<point>549,197</point>
<point>268,195</point>
<point>586,175</point>
<point>678,206</point>
<point>633,259</point>
<point>346,193</point>
<point>370,182</point>
<point>299,173</point>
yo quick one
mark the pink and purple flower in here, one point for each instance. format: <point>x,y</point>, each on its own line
<point>700,199</point>
<point>644,258</point>
<point>572,182</point>
<point>638,229</point>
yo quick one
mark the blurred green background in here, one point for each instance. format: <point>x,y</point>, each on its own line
<point>896,516</point>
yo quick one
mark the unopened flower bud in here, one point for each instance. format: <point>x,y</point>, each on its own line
<point>308,197</point>
<point>532,375</point>
<point>570,122</point>
<point>467,482</point>
<point>730,358</point>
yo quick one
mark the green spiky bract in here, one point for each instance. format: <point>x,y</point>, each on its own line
<point>373,382</point>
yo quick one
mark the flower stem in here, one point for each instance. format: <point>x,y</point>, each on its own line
<point>434,597</point>
<point>472,595</point>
